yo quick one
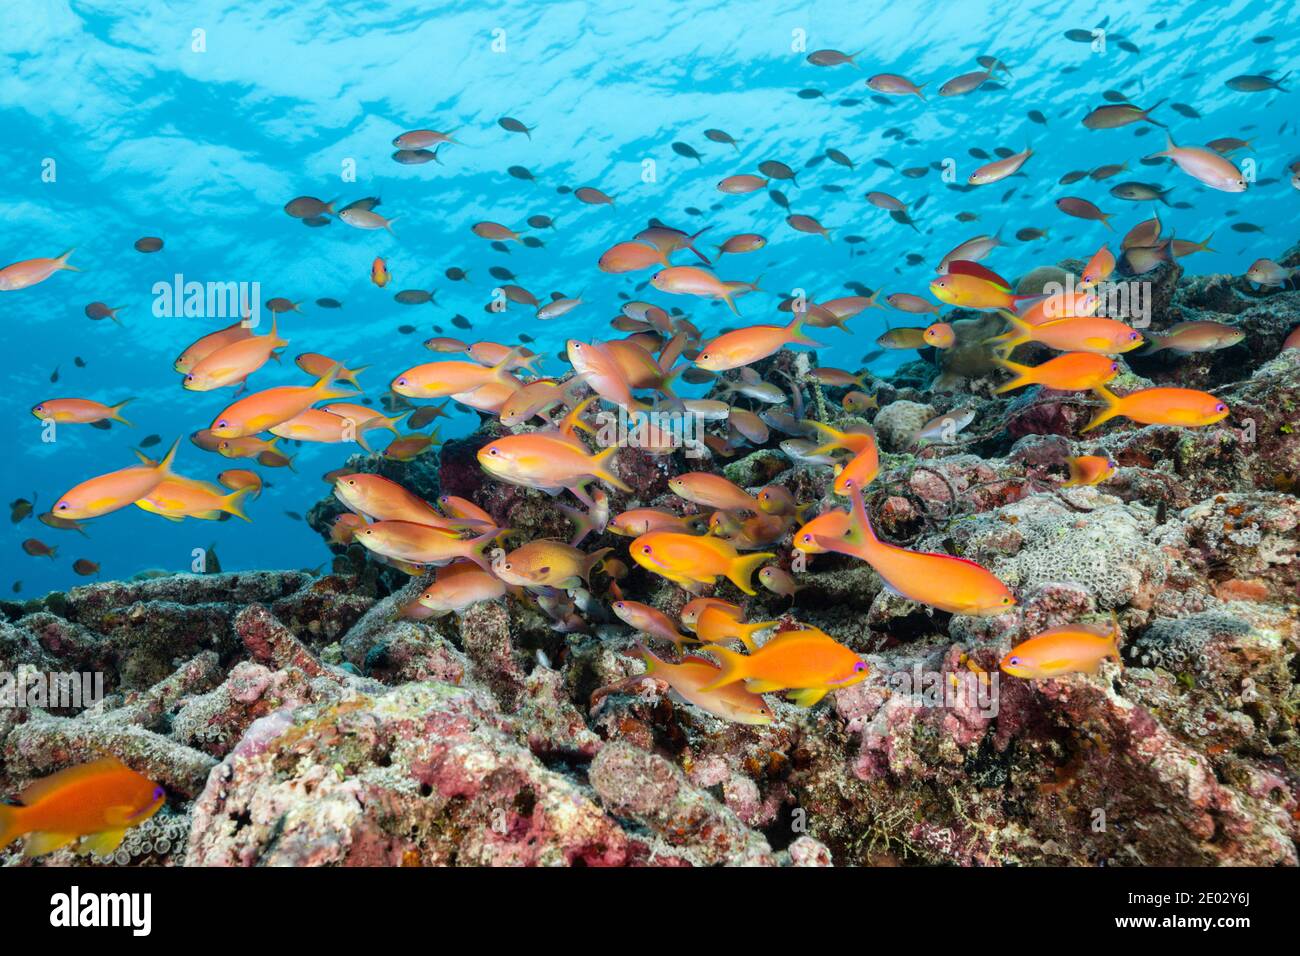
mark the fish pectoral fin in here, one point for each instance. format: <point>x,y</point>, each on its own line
<point>43,842</point>
<point>763,686</point>
<point>807,697</point>
<point>104,843</point>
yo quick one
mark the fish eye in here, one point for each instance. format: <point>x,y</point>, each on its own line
<point>1132,335</point>
<point>63,506</point>
<point>807,537</point>
<point>402,380</point>
<point>1220,407</point>
<point>1014,662</point>
<point>222,423</point>
<point>1008,600</point>
<point>190,377</point>
<point>159,793</point>
<point>492,451</point>
<point>859,667</point>
<point>506,566</point>
<point>1114,366</point>
<point>645,549</point>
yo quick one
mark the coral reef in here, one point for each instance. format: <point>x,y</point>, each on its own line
<point>302,720</point>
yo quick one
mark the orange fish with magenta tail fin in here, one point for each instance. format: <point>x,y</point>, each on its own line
<point>948,583</point>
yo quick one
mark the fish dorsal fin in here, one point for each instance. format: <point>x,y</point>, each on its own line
<point>40,789</point>
<point>968,268</point>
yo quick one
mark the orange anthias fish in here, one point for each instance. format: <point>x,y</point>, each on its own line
<point>380,499</point>
<point>317,425</point>
<point>233,363</point>
<point>422,544</point>
<point>1089,470</point>
<point>268,408</point>
<point>692,561</point>
<point>649,620</point>
<point>439,379</point>
<point>1161,406</point>
<point>550,462</point>
<point>716,625</point>
<point>1071,372</point>
<point>115,490</point>
<point>379,273</point>
<point>176,498</point>
<point>639,521</point>
<point>687,679</point>
<point>81,411</point>
<point>1096,334</point>
<point>20,275</point>
<point>459,585</point>
<point>948,583</point>
<point>1069,649</point>
<point>830,524</point>
<point>807,662</point>
<point>712,491</point>
<point>690,615</point>
<point>205,346</point>
<point>544,563</point>
<point>95,803</point>
<point>1098,269</point>
<point>692,280</point>
<point>748,345</point>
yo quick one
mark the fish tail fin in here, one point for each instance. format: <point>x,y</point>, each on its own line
<point>691,246</point>
<point>1146,114</point>
<point>1114,641</point>
<point>1105,220</point>
<point>747,631</point>
<point>478,547</point>
<point>1021,373</point>
<point>794,334</point>
<point>743,568</point>
<point>233,503</point>
<point>732,666</point>
<point>652,663</point>
<point>391,423</point>
<point>325,387</point>
<point>600,468</point>
<point>116,411</point>
<point>500,373</point>
<point>350,376</point>
<point>574,420</point>
<point>1018,335</point>
<point>731,303</point>
<point>1154,344</point>
<point>919,92</point>
<point>1205,244</point>
<point>389,225</point>
<point>164,467</point>
<point>63,260</point>
<point>10,824</point>
<point>1113,406</point>
<point>597,557</point>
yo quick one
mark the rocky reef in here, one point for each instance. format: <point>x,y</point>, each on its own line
<point>303,720</point>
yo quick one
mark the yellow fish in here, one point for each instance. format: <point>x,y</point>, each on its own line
<point>94,802</point>
<point>807,661</point>
<point>691,560</point>
<point>115,490</point>
<point>1069,649</point>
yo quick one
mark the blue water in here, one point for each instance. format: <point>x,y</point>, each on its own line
<point>203,149</point>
